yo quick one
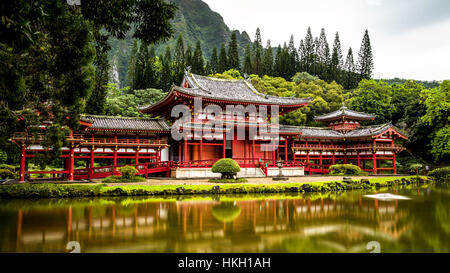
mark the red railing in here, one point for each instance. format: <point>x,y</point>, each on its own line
<point>346,147</point>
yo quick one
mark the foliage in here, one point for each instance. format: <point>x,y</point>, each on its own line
<point>49,190</point>
<point>345,169</point>
<point>6,174</point>
<point>440,174</point>
<point>54,55</point>
<point>127,172</point>
<point>220,180</point>
<point>437,115</point>
<point>124,103</point>
<point>120,179</point>
<point>3,157</point>
<point>231,74</point>
<point>375,98</point>
<point>227,167</point>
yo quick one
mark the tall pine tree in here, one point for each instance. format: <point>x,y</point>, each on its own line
<point>268,60</point>
<point>233,54</point>
<point>247,60</point>
<point>223,61</point>
<point>214,62</point>
<point>365,58</point>
<point>179,60</point>
<point>337,63</point>
<point>197,60</point>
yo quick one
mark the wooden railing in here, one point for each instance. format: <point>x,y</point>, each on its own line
<point>347,147</point>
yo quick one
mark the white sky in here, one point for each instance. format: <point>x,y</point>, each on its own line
<point>410,38</point>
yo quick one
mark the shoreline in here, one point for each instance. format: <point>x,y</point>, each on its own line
<point>41,190</point>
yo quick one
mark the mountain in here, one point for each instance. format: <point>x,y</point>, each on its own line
<point>196,21</point>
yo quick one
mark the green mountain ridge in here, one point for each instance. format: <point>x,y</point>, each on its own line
<point>196,21</point>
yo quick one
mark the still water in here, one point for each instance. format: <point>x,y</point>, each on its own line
<point>330,222</point>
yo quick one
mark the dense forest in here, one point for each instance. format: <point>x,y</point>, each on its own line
<point>36,74</point>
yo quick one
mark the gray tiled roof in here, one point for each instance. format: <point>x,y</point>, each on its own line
<point>126,123</point>
<point>318,132</point>
<point>344,111</point>
<point>235,90</point>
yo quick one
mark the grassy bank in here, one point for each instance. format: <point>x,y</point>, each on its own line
<point>86,190</point>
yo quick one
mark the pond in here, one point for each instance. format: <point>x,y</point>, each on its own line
<point>327,222</point>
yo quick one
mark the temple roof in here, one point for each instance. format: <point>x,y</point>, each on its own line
<point>345,112</point>
<point>365,131</point>
<point>227,90</point>
<point>125,123</point>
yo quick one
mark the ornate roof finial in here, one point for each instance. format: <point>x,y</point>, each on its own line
<point>188,69</point>
<point>343,105</point>
<point>245,76</point>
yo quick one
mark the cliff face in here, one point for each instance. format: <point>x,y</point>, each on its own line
<point>196,21</point>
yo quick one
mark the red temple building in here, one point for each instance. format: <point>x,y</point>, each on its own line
<point>148,143</point>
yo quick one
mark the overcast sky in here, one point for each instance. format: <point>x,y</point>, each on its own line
<point>410,38</point>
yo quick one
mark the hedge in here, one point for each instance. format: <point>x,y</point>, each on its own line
<point>440,174</point>
<point>346,169</point>
<point>227,167</point>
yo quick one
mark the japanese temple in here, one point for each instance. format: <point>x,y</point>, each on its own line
<point>148,143</point>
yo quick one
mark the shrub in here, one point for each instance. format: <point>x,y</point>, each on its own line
<point>8,167</point>
<point>121,179</point>
<point>227,167</point>
<point>346,169</point>
<point>440,174</point>
<point>3,157</point>
<point>6,174</point>
<point>127,172</point>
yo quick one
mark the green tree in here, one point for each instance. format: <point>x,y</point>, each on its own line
<point>179,60</point>
<point>38,40</point>
<point>268,60</point>
<point>167,74</point>
<point>132,64</point>
<point>247,60</point>
<point>437,102</point>
<point>214,62</point>
<point>197,60</point>
<point>233,54</point>
<point>336,63</point>
<point>374,97</point>
<point>365,58</point>
<point>223,60</point>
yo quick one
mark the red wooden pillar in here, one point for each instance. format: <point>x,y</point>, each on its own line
<point>333,159</point>
<point>91,162</point>
<point>22,163</point>
<point>374,159</point>
<point>253,149</point>
<point>285,149</point>
<point>115,159</point>
<point>201,147</point>
<point>185,149</point>
<point>393,163</point>
<point>71,162</point>
<point>359,159</point>
<point>224,144</point>
<point>136,160</point>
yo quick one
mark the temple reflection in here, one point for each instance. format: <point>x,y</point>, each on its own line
<point>152,225</point>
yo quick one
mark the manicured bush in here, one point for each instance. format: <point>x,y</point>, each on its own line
<point>346,169</point>
<point>440,174</point>
<point>127,172</point>
<point>6,174</point>
<point>227,167</point>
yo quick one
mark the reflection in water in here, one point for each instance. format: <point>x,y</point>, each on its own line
<point>245,223</point>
